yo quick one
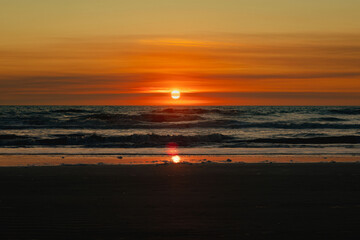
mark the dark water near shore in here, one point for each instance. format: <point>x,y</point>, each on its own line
<point>195,130</point>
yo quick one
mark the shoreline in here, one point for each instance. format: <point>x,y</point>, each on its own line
<point>58,160</point>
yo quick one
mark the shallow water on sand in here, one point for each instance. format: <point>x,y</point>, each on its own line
<point>57,160</point>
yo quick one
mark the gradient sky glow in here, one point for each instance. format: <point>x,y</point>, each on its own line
<point>228,52</point>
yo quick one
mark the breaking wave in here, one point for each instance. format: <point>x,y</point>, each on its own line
<point>233,124</point>
<point>70,110</point>
<point>148,121</point>
<point>313,140</point>
<point>95,140</point>
<point>155,140</point>
<point>327,119</point>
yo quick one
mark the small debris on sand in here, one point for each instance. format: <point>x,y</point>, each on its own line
<point>186,163</point>
<point>208,161</point>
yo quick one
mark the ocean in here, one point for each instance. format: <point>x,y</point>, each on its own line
<point>153,130</point>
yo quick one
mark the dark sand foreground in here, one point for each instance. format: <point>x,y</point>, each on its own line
<point>204,201</point>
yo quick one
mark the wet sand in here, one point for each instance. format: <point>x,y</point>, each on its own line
<point>179,201</point>
<point>57,160</point>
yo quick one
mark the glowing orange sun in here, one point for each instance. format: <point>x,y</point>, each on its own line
<point>175,94</point>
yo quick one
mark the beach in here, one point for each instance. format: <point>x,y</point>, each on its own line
<point>181,201</point>
<point>179,120</point>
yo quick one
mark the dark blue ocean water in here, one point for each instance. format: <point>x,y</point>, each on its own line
<point>195,130</point>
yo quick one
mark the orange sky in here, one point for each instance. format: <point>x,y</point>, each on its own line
<point>212,70</point>
<point>51,64</point>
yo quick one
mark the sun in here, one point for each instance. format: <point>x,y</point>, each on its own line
<point>175,94</point>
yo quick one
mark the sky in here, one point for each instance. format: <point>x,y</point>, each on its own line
<point>229,52</point>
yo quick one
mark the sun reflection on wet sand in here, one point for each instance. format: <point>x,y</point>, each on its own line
<point>176,159</point>
<point>172,149</point>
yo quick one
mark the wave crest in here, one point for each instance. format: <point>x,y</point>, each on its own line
<point>230,112</point>
<point>346,111</point>
<point>134,140</point>
<point>145,117</point>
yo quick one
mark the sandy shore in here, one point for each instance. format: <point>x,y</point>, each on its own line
<point>201,201</point>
